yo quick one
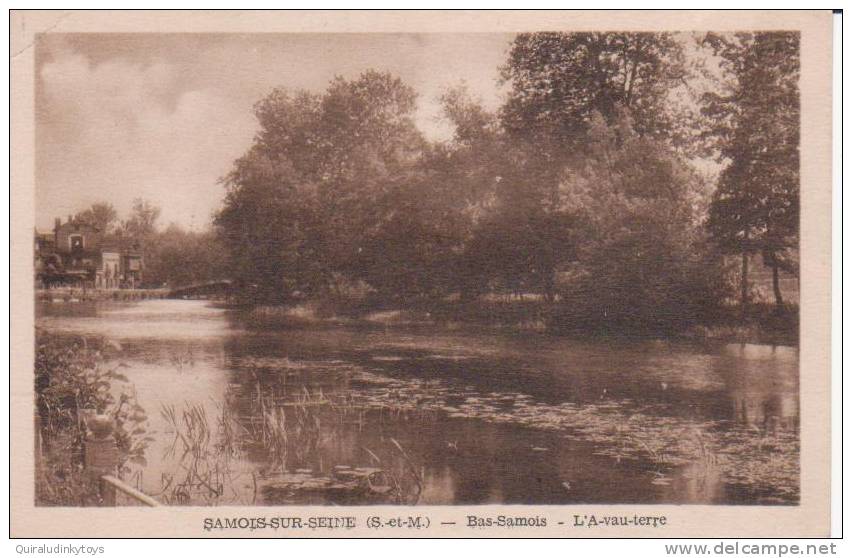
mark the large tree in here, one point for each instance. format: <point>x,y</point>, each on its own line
<point>268,224</point>
<point>641,266</point>
<point>559,80</point>
<point>756,206</point>
<point>142,222</point>
<point>561,84</point>
<point>517,233</point>
<point>102,215</point>
<point>307,201</point>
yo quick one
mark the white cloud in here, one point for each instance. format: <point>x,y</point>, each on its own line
<point>164,117</point>
<point>117,131</point>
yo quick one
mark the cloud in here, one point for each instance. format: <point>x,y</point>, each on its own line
<point>119,130</point>
<point>164,116</point>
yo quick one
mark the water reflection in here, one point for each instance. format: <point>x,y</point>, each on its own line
<point>764,391</point>
<point>466,417</point>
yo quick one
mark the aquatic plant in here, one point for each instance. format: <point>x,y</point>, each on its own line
<point>206,458</point>
<point>762,463</point>
<point>404,478</point>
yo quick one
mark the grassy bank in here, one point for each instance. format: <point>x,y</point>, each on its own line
<point>762,324</point>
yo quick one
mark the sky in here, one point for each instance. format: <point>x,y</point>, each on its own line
<point>163,116</point>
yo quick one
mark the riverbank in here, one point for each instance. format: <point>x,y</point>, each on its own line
<point>763,325</point>
<point>76,294</point>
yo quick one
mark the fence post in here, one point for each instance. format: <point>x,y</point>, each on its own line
<point>101,454</point>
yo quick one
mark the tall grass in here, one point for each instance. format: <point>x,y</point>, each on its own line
<point>292,435</point>
<point>207,454</point>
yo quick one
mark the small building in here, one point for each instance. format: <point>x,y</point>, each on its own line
<point>131,265</point>
<point>44,242</point>
<point>109,274</point>
<point>79,254</point>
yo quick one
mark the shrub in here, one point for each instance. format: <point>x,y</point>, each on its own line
<point>72,378</point>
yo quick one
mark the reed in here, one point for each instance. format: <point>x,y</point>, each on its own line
<point>206,457</point>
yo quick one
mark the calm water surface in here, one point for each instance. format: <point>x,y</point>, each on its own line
<point>482,418</point>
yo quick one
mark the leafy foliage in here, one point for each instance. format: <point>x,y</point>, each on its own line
<point>101,214</point>
<point>177,257</point>
<point>644,265</point>
<point>142,221</point>
<point>321,185</point>
<point>70,380</point>
<point>578,189</point>
<point>756,206</point>
<point>560,80</point>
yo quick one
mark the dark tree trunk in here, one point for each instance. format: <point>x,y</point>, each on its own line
<point>776,285</point>
<point>744,285</point>
<point>549,286</point>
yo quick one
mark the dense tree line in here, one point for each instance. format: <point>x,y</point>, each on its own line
<point>581,188</point>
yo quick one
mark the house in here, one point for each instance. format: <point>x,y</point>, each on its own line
<point>109,274</point>
<point>131,264</point>
<point>44,242</point>
<point>78,253</point>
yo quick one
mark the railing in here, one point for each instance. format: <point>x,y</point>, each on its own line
<point>111,487</point>
<point>101,462</point>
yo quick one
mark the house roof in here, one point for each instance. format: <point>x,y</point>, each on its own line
<point>78,224</point>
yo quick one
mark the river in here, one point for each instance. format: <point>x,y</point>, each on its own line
<point>466,417</point>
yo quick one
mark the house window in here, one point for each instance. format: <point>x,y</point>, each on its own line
<point>76,242</point>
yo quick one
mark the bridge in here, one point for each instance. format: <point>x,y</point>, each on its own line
<point>202,290</point>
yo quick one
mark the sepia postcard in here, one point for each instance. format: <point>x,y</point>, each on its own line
<point>420,274</point>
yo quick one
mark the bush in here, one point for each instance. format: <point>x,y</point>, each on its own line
<point>71,378</point>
